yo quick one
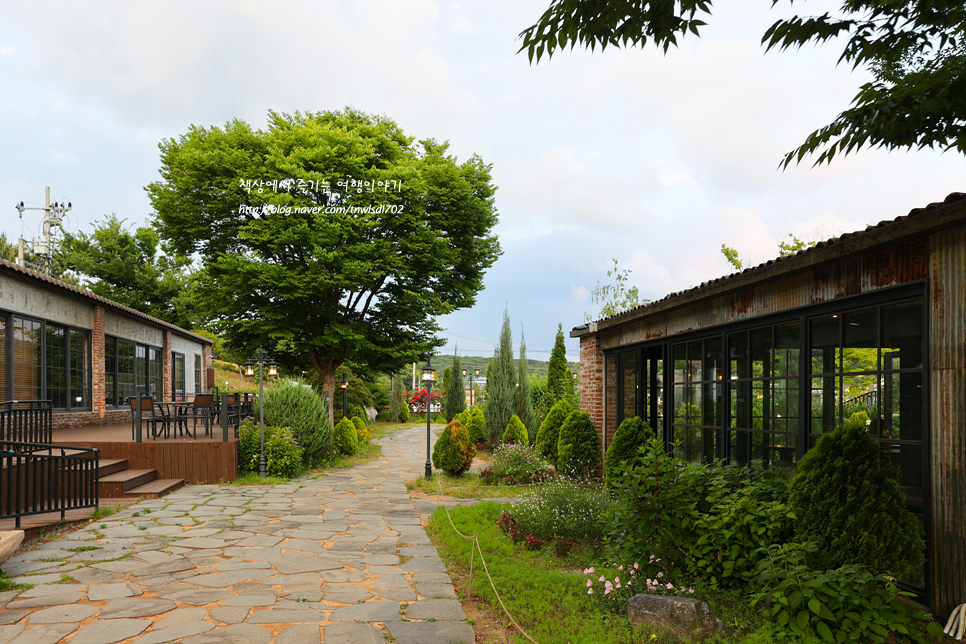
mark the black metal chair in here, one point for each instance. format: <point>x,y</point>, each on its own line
<point>203,409</point>
<point>149,416</point>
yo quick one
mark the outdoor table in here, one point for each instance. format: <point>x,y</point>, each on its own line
<point>173,411</point>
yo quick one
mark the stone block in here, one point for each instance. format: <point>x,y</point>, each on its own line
<point>683,616</point>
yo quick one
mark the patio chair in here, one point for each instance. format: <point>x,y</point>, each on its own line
<point>149,416</point>
<point>203,409</point>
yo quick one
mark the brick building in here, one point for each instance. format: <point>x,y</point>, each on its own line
<point>753,367</point>
<point>88,354</point>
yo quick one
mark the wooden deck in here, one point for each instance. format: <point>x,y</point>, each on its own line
<point>37,526</point>
<point>201,460</point>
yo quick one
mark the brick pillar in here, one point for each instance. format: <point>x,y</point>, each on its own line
<point>592,381</point>
<point>98,394</point>
<point>167,392</point>
<point>205,367</point>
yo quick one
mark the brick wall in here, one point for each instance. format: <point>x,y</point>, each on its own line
<point>592,381</point>
<point>97,363</point>
<point>168,370</point>
<point>75,420</point>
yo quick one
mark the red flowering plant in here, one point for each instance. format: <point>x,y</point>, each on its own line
<point>417,400</point>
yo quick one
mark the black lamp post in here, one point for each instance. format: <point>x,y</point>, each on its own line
<point>261,360</point>
<point>345,394</point>
<point>429,375</point>
<point>477,373</point>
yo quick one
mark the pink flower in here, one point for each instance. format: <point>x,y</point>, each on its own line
<point>669,586</point>
<point>635,565</point>
<point>590,584</point>
<point>601,578</point>
<point>589,571</point>
<point>607,588</point>
<point>618,584</point>
<point>660,574</point>
<point>620,567</point>
<point>691,590</point>
<point>590,591</point>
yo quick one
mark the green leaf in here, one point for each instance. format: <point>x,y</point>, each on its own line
<point>824,631</point>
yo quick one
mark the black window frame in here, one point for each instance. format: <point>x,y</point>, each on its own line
<point>145,378</point>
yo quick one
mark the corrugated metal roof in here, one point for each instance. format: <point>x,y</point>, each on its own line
<point>858,240</point>
<point>11,267</point>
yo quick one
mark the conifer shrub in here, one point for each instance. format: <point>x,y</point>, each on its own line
<point>549,431</point>
<point>628,439</point>
<point>477,426</point>
<point>853,507</point>
<point>453,452</point>
<point>578,449</point>
<point>301,409</point>
<point>363,433</point>
<point>404,413</point>
<point>360,412</point>
<point>515,432</point>
<point>344,438</point>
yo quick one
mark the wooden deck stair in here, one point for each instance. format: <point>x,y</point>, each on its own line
<point>117,481</point>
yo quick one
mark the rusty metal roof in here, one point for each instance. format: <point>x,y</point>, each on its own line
<point>919,221</point>
<point>11,267</point>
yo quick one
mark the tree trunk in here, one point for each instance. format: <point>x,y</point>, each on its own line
<point>326,369</point>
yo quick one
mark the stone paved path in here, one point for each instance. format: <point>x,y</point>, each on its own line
<point>341,559</point>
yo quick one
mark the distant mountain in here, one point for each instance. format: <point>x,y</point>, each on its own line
<point>441,362</point>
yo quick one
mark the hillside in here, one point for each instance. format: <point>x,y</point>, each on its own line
<point>538,367</point>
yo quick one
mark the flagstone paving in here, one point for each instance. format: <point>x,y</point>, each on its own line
<point>341,558</point>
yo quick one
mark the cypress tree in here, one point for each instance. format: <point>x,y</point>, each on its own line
<point>525,402</point>
<point>501,386</point>
<point>557,380</point>
<point>455,395</point>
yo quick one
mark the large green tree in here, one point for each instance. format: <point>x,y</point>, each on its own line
<point>915,49</point>
<point>129,268</point>
<point>524,397</point>
<point>455,401</point>
<point>329,235</point>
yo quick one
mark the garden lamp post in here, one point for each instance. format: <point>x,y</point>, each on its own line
<point>429,375</point>
<point>471,386</point>
<point>262,361</point>
<point>345,394</point>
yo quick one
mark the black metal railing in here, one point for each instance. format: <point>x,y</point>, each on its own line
<point>26,421</point>
<point>35,479</point>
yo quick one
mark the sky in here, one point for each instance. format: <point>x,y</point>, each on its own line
<point>653,160</point>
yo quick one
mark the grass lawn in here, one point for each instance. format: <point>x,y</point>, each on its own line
<point>547,594</point>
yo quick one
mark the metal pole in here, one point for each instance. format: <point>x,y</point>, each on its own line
<point>345,396</point>
<point>429,464</point>
<point>261,417</point>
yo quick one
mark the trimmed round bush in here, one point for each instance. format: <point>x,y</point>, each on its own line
<point>362,432</point>
<point>360,412</point>
<point>477,426</point>
<point>300,408</point>
<point>344,438</point>
<point>853,507</point>
<point>453,452</point>
<point>515,432</point>
<point>549,431</point>
<point>578,450</point>
<point>628,439</point>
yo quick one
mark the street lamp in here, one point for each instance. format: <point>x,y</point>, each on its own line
<point>345,394</point>
<point>477,373</point>
<point>429,375</point>
<point>261,360</point>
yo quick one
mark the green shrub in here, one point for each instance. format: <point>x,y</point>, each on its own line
<point>845,604</point>
<point>453,452</point>
<point>628,439</point>
<point>698,520</point>
<point>477,426</point>
<point>549,431</point>
<point>559,510</point>
<point>300,408</point>
<point>283,454</point>
<point>853,507</point>
<point>360,412</point>
<point>363,433</point>
<point>404,413</point>
<point>578,448</point>
<point>517,464</point>
<point>515,432</point>
<point>344,438</point>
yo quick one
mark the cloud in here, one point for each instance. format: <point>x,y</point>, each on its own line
<point>580,293</point>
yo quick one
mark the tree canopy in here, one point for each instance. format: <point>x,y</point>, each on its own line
<point>329,235</point>
<point>126,267</point>
<point>916,50</point>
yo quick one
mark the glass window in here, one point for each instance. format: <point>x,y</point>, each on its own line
<point>178,388</point>
<point>156,368</point>
<point>198,379</point>
<point>27,384</point>
<point>4,362</point>
<point>697,398</point>
<point>125,371</point>
<point>141,368</point>
<point>80,383</point>
<point>110,372</point>
<point>56,371</point>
